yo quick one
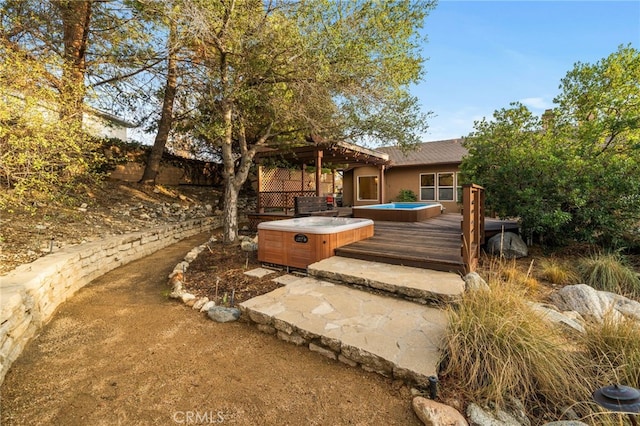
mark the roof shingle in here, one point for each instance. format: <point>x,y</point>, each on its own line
<point>448,151</point>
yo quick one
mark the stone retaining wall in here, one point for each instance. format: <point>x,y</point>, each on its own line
<point>30,294</point>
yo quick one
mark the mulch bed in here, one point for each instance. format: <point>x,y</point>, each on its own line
<point>219,274</point>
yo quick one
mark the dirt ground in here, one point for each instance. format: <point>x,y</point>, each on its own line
<point>121,352</point>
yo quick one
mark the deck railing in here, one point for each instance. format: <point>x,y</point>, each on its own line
<point>472,225</point>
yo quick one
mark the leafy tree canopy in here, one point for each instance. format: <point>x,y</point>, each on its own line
<point>574,173</point>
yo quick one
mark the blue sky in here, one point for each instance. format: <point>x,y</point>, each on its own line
<point>483,55</point>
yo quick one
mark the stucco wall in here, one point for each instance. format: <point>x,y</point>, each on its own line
<point>31,293</point>
<point>399,178</point>
<point>395,179</point>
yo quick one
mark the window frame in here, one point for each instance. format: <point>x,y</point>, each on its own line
<point>428,187</point>
<point>452,187</point>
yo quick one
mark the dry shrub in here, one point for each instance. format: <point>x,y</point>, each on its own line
<point>609,272</point>
<point>506,272</point>
<point>558,272</point>
<point>497,347</point>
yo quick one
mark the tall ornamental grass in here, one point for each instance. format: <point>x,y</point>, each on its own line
<point>609,272</point>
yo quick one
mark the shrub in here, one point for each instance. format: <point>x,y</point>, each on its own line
<point>497,347</point>
<point>609,272</point>
<point>407,195</point>
<point>557,272</point>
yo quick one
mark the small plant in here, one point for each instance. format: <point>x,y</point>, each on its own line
<point>557,272</point>
<point>609,272</point>
<point>407,196</point>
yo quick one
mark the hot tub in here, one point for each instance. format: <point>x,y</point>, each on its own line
<point>399,212</point>
<point>299,242</point>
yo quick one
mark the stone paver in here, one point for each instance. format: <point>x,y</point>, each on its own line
<point>394,337</point>
<point>259,272</point>
<point>424,285</point>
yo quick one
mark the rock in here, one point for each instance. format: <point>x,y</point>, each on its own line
<point>566,423</point>
<point>249,246</point>
<point>508,245</point>
<point>568,319</point>
<point>479,416</point>
<point>187,297</point>
<point>223,314</point>
<point>474,282</point>
<point>200,303</point>
<point>210,304</point>
<point>433,413</point>
<point>595,305</point>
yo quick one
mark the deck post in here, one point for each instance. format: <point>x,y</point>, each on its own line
<point>318,172</point>
<point>259,207</point>
<point>472,224</point>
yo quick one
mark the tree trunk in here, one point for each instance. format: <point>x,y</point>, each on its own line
<point>152,168</point>
<point>230,213</point>
<point>76,20</point>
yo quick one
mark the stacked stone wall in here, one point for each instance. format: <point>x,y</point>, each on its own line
<point>30,294</point>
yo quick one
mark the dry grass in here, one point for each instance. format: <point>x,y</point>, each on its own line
<point>609,272</point>
<point>614,347</point>
<point>558,272</point>
<point>498,347</point>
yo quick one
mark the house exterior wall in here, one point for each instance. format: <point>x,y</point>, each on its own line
<point>396,179</point>
<point>352,177</point>
<point>399,178</point>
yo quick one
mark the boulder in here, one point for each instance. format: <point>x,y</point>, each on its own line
<point>595,305</point>
<point>507,245</point>
<point>474,282</point>
<point>566,423</point>
<point>550,313</point>
<point>433,413</point>
<point>223,314</point>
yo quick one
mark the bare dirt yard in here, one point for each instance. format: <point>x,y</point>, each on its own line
<point>121,352</point>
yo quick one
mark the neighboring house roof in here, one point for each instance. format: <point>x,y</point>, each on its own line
<point>448,151</point>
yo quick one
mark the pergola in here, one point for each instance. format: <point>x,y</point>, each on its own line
<point>324,154</point>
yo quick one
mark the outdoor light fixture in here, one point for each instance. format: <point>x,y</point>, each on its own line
<point>623,399</point>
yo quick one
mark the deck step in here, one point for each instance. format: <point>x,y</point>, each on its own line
<point>416,284</point>
<point>393,337</point>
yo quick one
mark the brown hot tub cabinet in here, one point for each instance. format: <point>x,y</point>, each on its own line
<point>299,242</point>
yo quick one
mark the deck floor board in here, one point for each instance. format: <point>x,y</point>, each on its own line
<point>431,244</point>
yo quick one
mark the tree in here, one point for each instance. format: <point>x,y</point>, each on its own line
<point>575,172</point>
<point>89,45</point>
<point>165,122</point>
<point>277,73</point>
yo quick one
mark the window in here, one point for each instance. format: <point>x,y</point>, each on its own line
<point>428,187</point>
<point>445,186</point>
<point>368,188</point>
<point>458,188</point>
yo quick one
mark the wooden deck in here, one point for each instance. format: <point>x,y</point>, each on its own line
<point>432,244</point>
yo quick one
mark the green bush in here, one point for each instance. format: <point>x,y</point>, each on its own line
<point>406,195</point>
<point>565,178</point>
<point>42,157</point>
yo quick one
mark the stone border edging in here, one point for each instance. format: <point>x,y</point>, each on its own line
<point>31,293</point>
